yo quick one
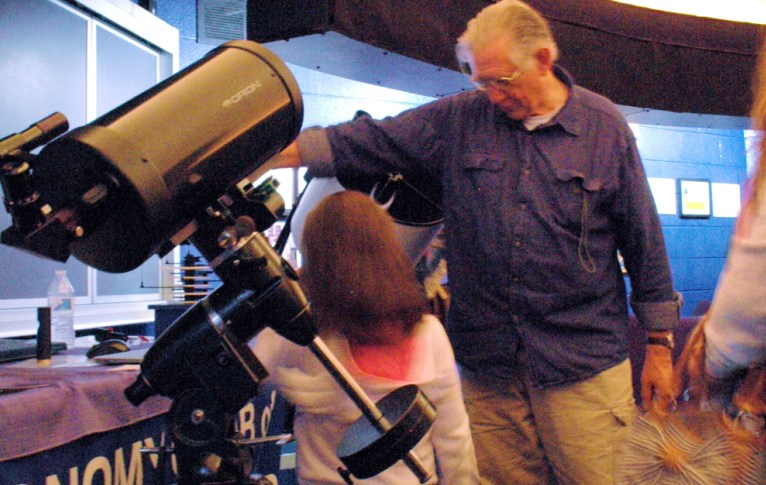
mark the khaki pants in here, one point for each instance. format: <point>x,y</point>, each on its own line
<point>562,435</point>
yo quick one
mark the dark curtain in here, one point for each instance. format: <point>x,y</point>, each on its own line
<point>634,56</point>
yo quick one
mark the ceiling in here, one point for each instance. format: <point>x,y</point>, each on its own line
<point>661,68</point>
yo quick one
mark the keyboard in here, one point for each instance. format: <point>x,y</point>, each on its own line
<point>18,349</point>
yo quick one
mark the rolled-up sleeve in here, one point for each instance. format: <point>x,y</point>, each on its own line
<point>315,151</point>
<point>642,245</point>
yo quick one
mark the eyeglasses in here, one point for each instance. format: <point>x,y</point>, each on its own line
<point>499,84</point>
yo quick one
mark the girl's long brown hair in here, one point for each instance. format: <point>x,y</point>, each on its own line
<point>356,275</point>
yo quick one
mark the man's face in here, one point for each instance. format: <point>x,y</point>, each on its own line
<point>516,92</point>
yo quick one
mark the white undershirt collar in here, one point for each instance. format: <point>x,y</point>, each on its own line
<point>533,122</point>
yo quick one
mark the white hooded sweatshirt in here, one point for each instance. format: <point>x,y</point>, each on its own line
<point>324,412</point>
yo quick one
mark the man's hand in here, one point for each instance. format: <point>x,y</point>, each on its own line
<point>657,379</point>
<point>290,157</point>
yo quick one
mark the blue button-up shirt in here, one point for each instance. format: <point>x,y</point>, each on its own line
<point>533,223</point>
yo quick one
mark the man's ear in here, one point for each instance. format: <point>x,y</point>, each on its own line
<point>544,59</point>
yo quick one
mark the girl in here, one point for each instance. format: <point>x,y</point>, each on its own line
<point>370,311</point>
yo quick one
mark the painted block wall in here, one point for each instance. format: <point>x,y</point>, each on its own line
<point>697,247</point>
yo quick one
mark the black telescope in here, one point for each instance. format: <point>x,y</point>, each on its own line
<point>122,186</point>
<point>169,166</point>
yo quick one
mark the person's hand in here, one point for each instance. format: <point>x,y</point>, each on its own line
<point>289,157</point>
<point>657,379</point>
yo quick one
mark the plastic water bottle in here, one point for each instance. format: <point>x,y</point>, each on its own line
<point>61,301</point>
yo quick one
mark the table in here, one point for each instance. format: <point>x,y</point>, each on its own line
<point>70,423</point>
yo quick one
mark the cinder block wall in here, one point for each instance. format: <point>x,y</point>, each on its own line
<point>697,247</point>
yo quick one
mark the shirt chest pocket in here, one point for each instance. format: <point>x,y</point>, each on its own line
<point>572,196</point>
<point>481,174</point>
<point>574,201</point>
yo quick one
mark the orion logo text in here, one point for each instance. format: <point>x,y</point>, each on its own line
<point>249,89</point>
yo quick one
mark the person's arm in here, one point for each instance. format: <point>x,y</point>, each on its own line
<point>657,374</point>
<point>310,149</point>
<point>735,331</point>
<point>654,302</point>
<point>290,157</point>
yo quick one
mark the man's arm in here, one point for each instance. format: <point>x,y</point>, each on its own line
<point>290,157</point>
<point>657,373</point>
<point>654,302</point>
<point>310,149</point>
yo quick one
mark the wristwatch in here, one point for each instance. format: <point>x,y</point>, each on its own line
<point>666,341</point>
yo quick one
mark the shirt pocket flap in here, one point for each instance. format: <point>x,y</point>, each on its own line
<point>589,183</point>
<point>482,161</point>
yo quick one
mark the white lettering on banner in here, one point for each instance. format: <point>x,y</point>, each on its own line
<point>246,418</point>
<point>154,457</point>
<point>98,464</point>
<point>130,473</point>
<point>119,472</point>
<point>245,422</point>
<point>135,467</point>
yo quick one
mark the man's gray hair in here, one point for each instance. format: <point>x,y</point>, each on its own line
<point>527,29</point>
